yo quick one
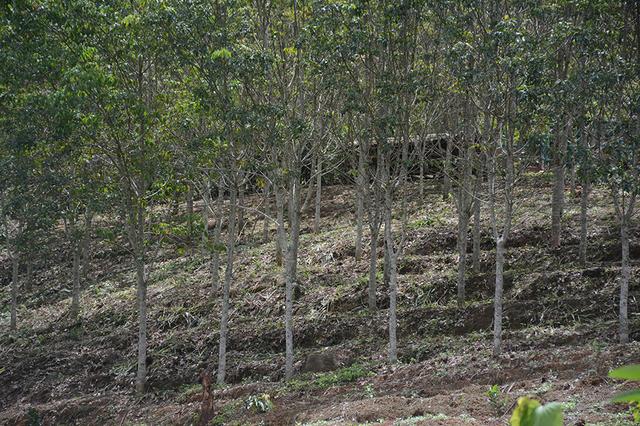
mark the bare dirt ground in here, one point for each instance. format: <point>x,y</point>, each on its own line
<point>560,329</point>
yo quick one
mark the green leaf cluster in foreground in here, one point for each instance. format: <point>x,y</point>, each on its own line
<point>529,412</point>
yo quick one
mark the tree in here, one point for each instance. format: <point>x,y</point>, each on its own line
<point>122,76</point>
<point>34,118</point>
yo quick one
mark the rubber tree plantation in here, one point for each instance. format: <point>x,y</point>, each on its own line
<point>319,212</point>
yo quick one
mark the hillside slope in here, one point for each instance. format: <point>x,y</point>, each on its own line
<point>560,329</point>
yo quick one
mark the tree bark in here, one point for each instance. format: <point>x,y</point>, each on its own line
<point>446,179</point>
<point>15,277</point>
<point>404,173</point>
<point>206,201</point>
<point>421,170</point>
<point>386,264</point>
<point>497,301</point>
<point>477,214</point>
<point>584,209</point>
<point>624,281</point>
<point>136,226</point>
<point>360,198</point>
<point>316,219</point>
<point>291,261</point>
<point>288,279</point>
<point>477,206</point>
<point>373,202</point>
<point>373,264</point>
<point>393,282</point>
<point>267,210</point>
<point>86,244</point>
<point>500,238</point>
<point>463,226</point>
<point>217,232</point>
<point>190,214</point>
<point>228,277</point>
<point>75,295</point>
<point>557,200</point>
<point>464,202</point>
<point>280,231</point>
<point>288,320</point>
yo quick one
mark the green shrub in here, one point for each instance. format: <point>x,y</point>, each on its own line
<point>259,403</point>
<point>344,375</point>
<point>497,401</point>
<point>327,380</point>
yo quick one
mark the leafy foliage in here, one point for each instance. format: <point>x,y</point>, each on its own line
<point>494,395</point>
<point>529,412</point>
<point>632,373</point>
<point>259,403</point>
<point>327,380</point>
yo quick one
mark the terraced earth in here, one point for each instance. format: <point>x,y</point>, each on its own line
<point>560,329</point>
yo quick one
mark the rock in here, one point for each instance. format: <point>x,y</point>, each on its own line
<point>319,362</point>
<point>593,272</point>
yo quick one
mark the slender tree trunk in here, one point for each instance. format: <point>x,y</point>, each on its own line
<point>15,277</point>
<point>141,377</point>
<point>624,281</point>
<point>267,210</point>
<point>75,295</point>
<point>288,322</point>
<point>210,250</point>
<point>421,168</point>
<point>288,278</point>
<point>190,215</point>
<point>477,205</point>
<point>386,266</point>
<point>497,312</point>
<point>288,318</point>
<point>446,179</point>
<point>572,174</point>
<point>393,283</point>
<point>206,201</point>
<point>291,273</point>
<point>464,204</point>
<point>557,201</point>
<point>228,277</point>
<point>316,219</point>
<point>136,237</point>
<point>280,240</point>
<point>360,200</point>
<point>584,209</point>
<point>404,173</point>
<point>279,257</point>
<point>463,226</point>
<point>501,238</point>
<point>86,244</point>
<point>477,213</point>
<point>215,253</point>
<point>373,263</point>
<point>359,226</point>
<point>294,228</point>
